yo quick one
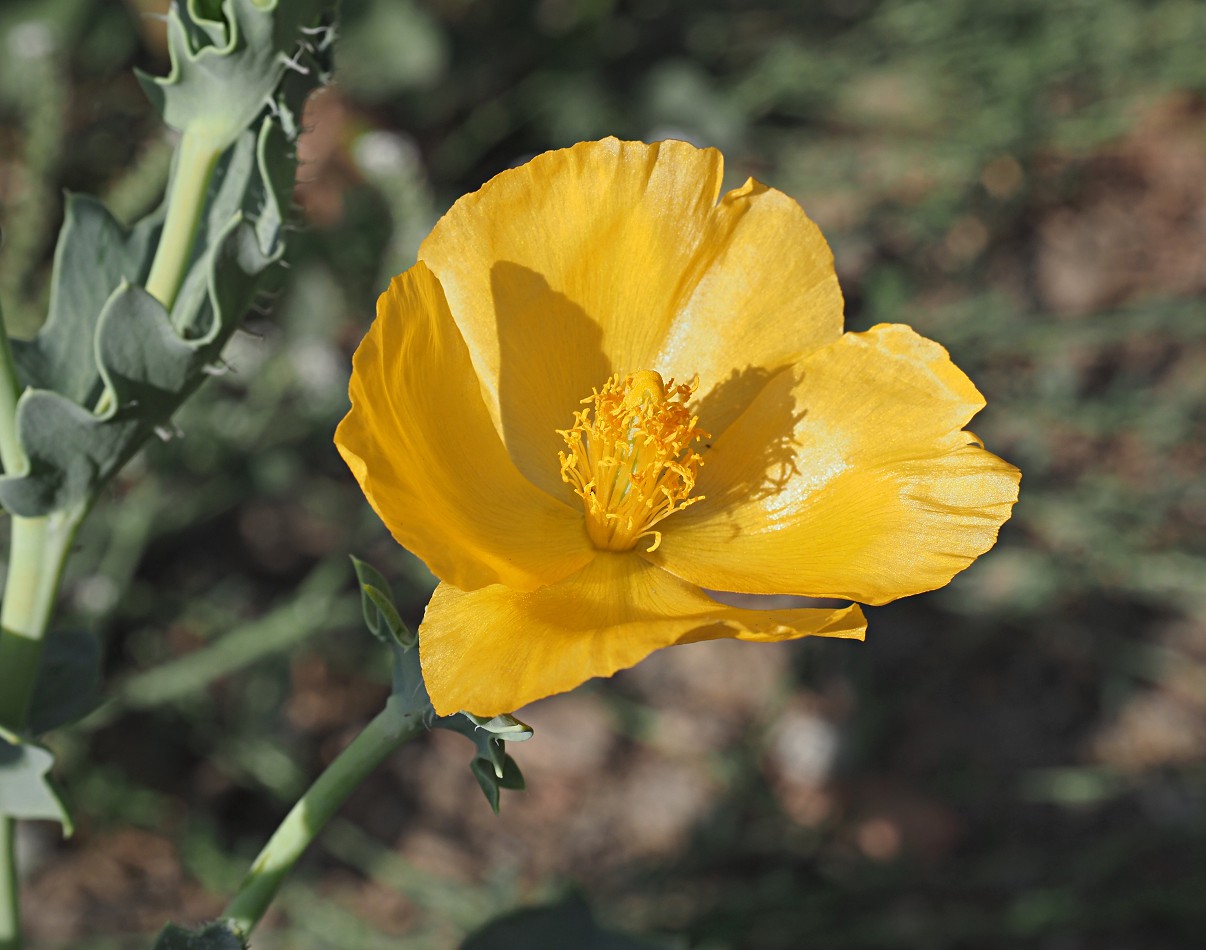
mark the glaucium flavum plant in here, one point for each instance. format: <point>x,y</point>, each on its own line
<point>600,393</point>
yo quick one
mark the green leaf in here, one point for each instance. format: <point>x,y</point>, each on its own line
<point>493,768</point>
<point>505,726</point>
<point>216,936</point>
<point>228,62</point>
<point>68,683</point>
<point>146,367</point>
<point>25,790</point>
<point>407,688</point>
<point>110,366</point>
<point>148,361</point>
<point>93,257</point>
<point>388,616</point>
<point>511,779</point>
<point>492,782</point>
<point>488,781</point>
<point>380,615</point>
<point>568,923</point>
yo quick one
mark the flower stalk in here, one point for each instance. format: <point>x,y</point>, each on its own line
<point>393,727</point>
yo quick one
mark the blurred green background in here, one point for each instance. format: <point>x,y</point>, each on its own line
<point>1016,760</point>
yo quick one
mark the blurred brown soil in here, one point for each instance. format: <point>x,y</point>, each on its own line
<point>1138,225</point>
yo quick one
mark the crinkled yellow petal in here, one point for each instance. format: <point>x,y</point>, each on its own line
<point>493,650</point>
<point>767,295</point>
<point>850,476</point>
<point>428,459</point>
<point>616,257</point>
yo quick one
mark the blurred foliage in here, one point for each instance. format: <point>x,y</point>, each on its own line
<point>1019,759</point>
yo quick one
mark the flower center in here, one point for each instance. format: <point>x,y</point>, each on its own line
<point>630,458</point>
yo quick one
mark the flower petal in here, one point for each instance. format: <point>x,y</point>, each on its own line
<point>767,296</point>
<point>493,650</point>
<point>849,477</point>
<point>421,445</point>
<point>618,253</point>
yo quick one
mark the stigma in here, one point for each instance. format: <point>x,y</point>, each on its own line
<point>631,458</point>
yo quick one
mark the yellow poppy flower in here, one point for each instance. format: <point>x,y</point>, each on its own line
<point>601,392</point>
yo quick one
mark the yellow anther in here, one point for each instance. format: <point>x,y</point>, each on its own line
<point>631,459</point>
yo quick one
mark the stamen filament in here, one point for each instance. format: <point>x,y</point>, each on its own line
<point>631,459</point>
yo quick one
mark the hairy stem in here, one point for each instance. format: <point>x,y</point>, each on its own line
<point>390,729</point>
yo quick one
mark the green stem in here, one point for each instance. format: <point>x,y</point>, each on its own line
<point>10,907</point>
<point>196,157</point>
<point>382,736</point>
<point>12,458</point>
<point>38,549</point>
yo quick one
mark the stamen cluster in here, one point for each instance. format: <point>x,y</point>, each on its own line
<point>631,459</point>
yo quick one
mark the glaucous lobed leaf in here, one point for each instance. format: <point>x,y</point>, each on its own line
<point>111,365</point>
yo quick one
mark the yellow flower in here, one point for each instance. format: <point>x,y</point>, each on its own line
<point>600,392</point>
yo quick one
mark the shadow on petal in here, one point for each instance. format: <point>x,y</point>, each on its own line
<point>550,358</point>
<point>765,465</point>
